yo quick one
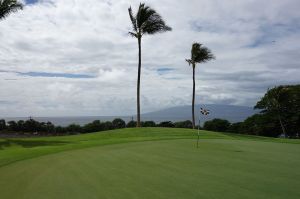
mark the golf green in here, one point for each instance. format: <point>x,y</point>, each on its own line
<point>149,163</point>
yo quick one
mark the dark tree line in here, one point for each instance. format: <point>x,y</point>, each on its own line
<point>47,128</point>
<point>33,127</point>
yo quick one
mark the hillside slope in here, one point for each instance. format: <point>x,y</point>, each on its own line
<point>149,163</point>
<point>181,113</point>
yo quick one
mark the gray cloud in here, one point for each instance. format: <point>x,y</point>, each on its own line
<point>90,37</point>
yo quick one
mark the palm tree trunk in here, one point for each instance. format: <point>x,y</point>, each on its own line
<point>138,124</point>
<point>193,101</point>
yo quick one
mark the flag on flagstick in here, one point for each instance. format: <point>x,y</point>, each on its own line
<point>204,112</point>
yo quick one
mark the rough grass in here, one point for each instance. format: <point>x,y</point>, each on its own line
<point>149,163</point>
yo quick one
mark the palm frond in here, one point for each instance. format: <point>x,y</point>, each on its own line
<point>140,14</point>
<point>189,61</point>
<point>155,24</point>
<point>9,6</point>
<point>133,34</point>
<point>201,54</point>
<point>133,19</point>
<point>147,21</point>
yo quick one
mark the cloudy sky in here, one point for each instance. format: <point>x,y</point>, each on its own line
<point>74,57</point>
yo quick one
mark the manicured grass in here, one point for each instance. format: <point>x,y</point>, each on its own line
<point>149,163</point>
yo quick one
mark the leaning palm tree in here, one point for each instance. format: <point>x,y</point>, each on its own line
<point>145,21</point>
<point>9,6</point>
<point>199,54</point>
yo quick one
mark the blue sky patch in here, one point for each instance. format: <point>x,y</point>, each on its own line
<point>270,33</point>
<point>201,26</point>
<point>63,75</point>
<point>31,1</point>
<point>163,71</point>
<point>46,74</point>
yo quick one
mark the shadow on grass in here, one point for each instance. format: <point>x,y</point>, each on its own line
<point>30,143</point>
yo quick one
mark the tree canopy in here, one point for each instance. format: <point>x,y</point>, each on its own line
<point>199,54</point>
<point>146,21</point>
<point>9,6</point>
<point>283,103</point>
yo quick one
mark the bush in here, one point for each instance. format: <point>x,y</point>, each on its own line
<point>60,130</point>
<point>107,126</point>
<point>13,126</point>
<point>262,124</point>
<point>236,127</point>
<point>168,124</point>
<point>185,124</point>
<point>74,129</point>
<point>148,124</point>
<point>118,123</point>
<point>31,126</point>
<point>219,125</point>
<point>95,126</point>
<point>2,125</point>
<point>131,124</point>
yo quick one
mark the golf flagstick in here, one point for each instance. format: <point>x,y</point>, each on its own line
<point>204,112</point>
<point>198,132</point>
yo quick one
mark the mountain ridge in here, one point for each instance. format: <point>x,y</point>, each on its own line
<point>231,113</point>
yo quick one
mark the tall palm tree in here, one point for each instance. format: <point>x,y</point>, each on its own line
<point>145,21</point>
<point>9,6</point>
<point>199,54</point>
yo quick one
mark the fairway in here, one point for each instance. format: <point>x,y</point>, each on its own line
<point>149,163</point>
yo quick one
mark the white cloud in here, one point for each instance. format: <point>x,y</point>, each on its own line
<point>90,37</point>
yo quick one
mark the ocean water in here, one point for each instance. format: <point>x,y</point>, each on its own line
<point>65,121</point>
<point>174,114</point>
